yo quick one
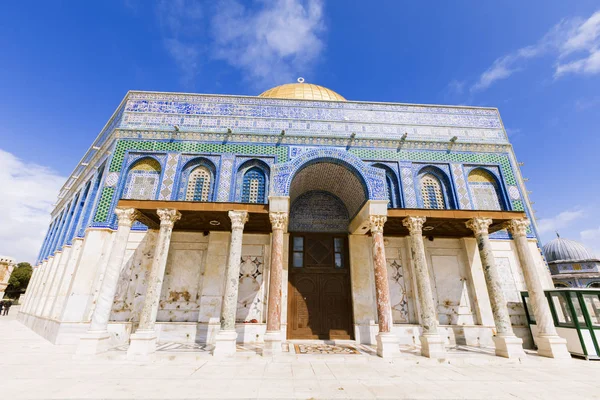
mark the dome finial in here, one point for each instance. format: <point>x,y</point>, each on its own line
<point>557,235</point>
<point>300,80</point>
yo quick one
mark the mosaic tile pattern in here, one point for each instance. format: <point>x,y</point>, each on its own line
<point>462,192</point>
<point>295,151</point>
<point>166,186</point>
<point>206,113</point>
<point>513,192</point>
<point>111,179</point>
<point>122,146</point>
<point>188,164</point>
<point>225,175</point>
<point>317,348</point>
<point>244,165</point>
<point>141,185</point>
<point>318,211</point>
<point>373,177</point>
<point>285,170</point>
<point>408,184</point>
<point>103,209</point>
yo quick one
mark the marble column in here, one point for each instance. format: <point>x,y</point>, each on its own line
<point>507,344</point>
<point>547,340</point>
<point>143,341</point>
<point>273,337</point>
<point>387,342</point>
<point>226,338</point>
<point>432,345</point>
<point>96,340</point>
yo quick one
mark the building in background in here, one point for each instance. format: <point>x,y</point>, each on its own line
<point>7,265</point>
<point>572,264</point>
<point>295,214</point>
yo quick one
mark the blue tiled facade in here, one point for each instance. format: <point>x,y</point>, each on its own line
<point>236,136</point>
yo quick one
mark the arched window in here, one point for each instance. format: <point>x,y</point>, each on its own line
<point>253,186</point>
<point>142,180</point>
<point>199,184</point>
<point>432,193</point>
<point>484,190</point>
<point>594,285</point>
<point>392,186</point>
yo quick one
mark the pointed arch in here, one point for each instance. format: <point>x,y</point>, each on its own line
<point>142,179</point>
<point>197,181</point>
<point>392,186</point>
<point>485,190</point>
<point>252,182</point>
<point>434,189</point>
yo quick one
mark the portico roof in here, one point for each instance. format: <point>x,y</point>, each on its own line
<point>212,216</point>
<point>446,223</point>
<point>202,216</point>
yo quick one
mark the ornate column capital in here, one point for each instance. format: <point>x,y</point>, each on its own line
<point>168,216</point>
<point>238,219</point>
<point>414,224</point>
<point>278,219</point>
<point>376,223</point>
<point>126,216</point>
<point>479,226</point>
<point>517,227</point>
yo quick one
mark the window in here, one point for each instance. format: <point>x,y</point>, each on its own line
<point>253,186</point>
<point>298,252</point>
<point>577,308</point>
<point>142,180</point>
<point>592,303</point>
<point>199,183</point>
<point>484,190</point>
<point>561,308</point>
<point>338,250</point>
<point>431,192</point>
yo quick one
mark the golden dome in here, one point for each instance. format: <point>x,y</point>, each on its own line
<point>302,91</point>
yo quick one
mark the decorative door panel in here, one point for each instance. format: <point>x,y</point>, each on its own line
<point>319,305</point>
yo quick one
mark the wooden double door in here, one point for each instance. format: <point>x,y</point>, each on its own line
<point>319,294</point>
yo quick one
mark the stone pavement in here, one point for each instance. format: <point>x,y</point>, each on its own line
<point>32,368</point>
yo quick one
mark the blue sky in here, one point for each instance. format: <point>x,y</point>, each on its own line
<point>66,65</point>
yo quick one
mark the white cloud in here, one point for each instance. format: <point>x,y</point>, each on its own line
<point>28,192</point>
<point>566,41</point>
<point>560,221</point>
<point>182,22</point>
<point>271,44</point>
<point>591,238</point>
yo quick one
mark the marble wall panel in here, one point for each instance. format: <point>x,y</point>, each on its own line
<point>452,288</point>
<point>182,284</point>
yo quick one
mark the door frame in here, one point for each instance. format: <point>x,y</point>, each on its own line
<point>315,270</point>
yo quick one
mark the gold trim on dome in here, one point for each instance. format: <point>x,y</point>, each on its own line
<point>302,91</point>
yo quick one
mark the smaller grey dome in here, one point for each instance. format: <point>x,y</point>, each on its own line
<point>561,249</point>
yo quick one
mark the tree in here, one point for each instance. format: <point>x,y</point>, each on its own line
<point>19,279</point>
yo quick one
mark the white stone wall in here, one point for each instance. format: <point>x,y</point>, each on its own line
<point>62,299</point>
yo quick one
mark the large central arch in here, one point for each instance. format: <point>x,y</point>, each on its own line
<point>326,189</point>
<point>372,179</point>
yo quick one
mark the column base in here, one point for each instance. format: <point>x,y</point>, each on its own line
<point>142,345</point>
<point>93,342</point>
<point>432,346</point>
<point>509,346</point>
<point>272,343</point>
<point>387,345</point>
<point>552,347</point>
<point>225,344</point>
